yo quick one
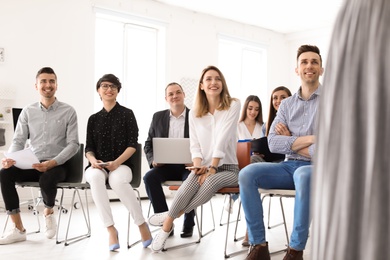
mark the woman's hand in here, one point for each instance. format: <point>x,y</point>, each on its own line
<point>203,177</point>
<point>199,170</point>
<point>112,166</point>
<point>99,164</point>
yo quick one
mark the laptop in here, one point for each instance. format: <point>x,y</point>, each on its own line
<point>171,150</point>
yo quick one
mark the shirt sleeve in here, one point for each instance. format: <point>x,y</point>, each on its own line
<point>280,143</point>
<point>72,139</point>
<point>227,126</point>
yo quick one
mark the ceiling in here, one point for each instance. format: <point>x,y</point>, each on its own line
<point>282,16</point>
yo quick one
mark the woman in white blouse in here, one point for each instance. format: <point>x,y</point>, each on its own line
<point>251,123</point>
<point>213,144</point>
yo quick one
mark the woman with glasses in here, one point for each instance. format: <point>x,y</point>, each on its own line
<point>112,138</point>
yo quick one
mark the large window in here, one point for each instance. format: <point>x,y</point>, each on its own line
<point>132,49</point>
<point>244,65</point>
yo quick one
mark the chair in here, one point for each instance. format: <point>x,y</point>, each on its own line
<point>281,194</point>
<point>74,168</point>
<point>136,159</point>
<point>243,157</point>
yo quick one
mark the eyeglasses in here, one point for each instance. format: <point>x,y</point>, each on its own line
<point>106,86</point>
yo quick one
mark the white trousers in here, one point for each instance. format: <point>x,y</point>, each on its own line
<point>119,181</point>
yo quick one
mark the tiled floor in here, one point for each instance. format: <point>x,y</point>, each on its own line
<point>96,246</point>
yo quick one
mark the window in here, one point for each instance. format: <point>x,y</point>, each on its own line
<point>244,65</point>
<point>129,48</point>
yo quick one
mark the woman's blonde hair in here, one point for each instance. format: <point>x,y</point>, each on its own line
<point>201,106</point>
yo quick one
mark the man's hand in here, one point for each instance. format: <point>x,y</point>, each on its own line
<point>7,163</point>
<point>44,166</point>
<point>281,129</point>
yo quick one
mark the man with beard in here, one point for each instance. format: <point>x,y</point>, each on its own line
<point>51,128</point>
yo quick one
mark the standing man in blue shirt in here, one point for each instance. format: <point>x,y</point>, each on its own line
<point>173,123</point>
<point>51,127</point>
<point>292,133</point>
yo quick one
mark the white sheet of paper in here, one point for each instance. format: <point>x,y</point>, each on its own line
<point>24,158</point>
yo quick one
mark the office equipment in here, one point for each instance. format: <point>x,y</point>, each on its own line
<point>171,150</point>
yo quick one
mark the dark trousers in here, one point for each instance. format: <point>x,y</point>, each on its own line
<point>153,179</point>
<point>47,182</point>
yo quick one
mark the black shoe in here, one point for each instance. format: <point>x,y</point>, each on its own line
<point>171,234</point>
<point>187,232</point>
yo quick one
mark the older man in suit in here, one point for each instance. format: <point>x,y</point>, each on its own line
<point>171,123</point>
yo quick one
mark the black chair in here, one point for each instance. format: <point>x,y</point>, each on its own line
<point>76,184</point>
<point>74,168</point>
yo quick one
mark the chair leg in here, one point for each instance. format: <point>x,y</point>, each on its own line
<point>226,255</point>
<point>223,209</point>
<point>284,221</point>
<point>201,220</point>
<point>236,228</point>
<point>269,211</point>
<point>128,223</point>
<point>67,241</point>
<point>220,221</point>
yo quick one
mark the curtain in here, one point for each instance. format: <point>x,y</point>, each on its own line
<point>351,180</point>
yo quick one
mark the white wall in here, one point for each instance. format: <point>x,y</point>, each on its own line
<point>60,34</point>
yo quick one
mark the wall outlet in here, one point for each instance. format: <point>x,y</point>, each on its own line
<point>1,54</point>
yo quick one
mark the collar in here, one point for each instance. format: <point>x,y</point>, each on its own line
<point>51,107</point>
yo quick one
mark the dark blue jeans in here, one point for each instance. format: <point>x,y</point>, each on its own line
<point>153,179</point>
<point>47,182</point>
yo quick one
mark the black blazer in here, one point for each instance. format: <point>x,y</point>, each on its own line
<point>160,128</point>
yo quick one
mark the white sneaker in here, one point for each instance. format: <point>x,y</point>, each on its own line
<point>229,206</point>
<point>51,225</point>
<point>160,239</point>
<point>158,219</point>
<point>12,236</point>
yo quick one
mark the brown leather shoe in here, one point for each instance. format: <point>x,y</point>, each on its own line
<point>258,252</point>
<point>293,255</point>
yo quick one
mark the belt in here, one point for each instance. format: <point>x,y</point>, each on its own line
<point>296,159</point>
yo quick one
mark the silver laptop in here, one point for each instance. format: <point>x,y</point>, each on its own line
<point>171,150</point>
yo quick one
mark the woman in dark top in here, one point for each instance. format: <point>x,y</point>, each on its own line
<point>112,136</point>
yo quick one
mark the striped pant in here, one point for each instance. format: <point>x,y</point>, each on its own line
<point>191,194</point>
